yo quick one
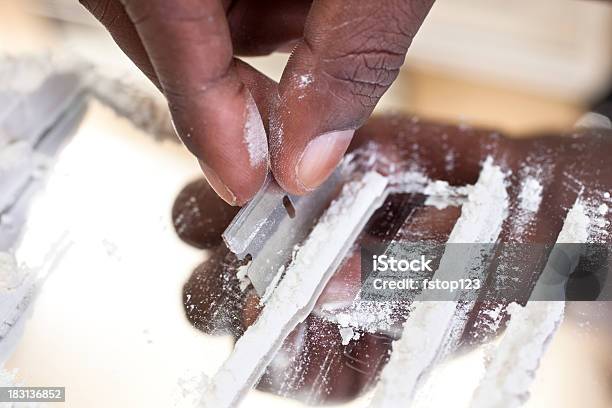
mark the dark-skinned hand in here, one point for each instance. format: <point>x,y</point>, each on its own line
<point>345,56</point>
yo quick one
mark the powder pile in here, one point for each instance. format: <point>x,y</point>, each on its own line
<point>368,316</point>
<point>441,195</point>
<point>347,334</point>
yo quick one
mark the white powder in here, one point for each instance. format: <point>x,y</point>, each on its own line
<point>428,325</point>
<point>347,335</point>
<point>369,316</point>
<point>272,286</point>
<point>374,316</point>
<point>401,179</point>
<point>408,181</point>
<point>602,209</point>
<point>494,313</point>
<point>495,316</point>
<point>243,279</point>
<point>10,275</point>
<point>513,363</point>
<point>516,359</point>
<point>598,214</point>
<point>576,226</point>
<point>296,294</point>
<point>441,194</point>
<point>482,216</point>
<point>304,81</point>
<point>255,135</point>
<point>530,198</point>
<point>530,195</point>
<point>343,319</point>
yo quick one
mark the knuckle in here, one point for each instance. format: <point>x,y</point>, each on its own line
<point>182,93</point>
<point>368,51</point>
<point>364,76</point>
<point>376,51</point>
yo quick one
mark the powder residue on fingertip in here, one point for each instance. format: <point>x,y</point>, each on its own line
<point>304,81</point>
<point>255,135</point>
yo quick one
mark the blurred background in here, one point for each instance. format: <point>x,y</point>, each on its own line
<point>110,317</point>
<point>521,66</point>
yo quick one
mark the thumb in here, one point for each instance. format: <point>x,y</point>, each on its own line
<point>350,54</point>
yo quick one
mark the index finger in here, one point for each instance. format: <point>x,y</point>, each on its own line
<point>189,45</point>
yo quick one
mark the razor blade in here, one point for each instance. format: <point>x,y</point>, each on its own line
<point>272,225</point>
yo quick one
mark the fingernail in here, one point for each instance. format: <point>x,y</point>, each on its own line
<point>218,185</point>
<point>321,157</point>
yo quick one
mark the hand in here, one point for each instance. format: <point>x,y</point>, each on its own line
<point>345,56</point>
<point>313,355</point>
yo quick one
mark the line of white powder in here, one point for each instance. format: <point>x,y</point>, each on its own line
<point>296,294</point>
<point>515,360</point>
<point>427,326</point>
